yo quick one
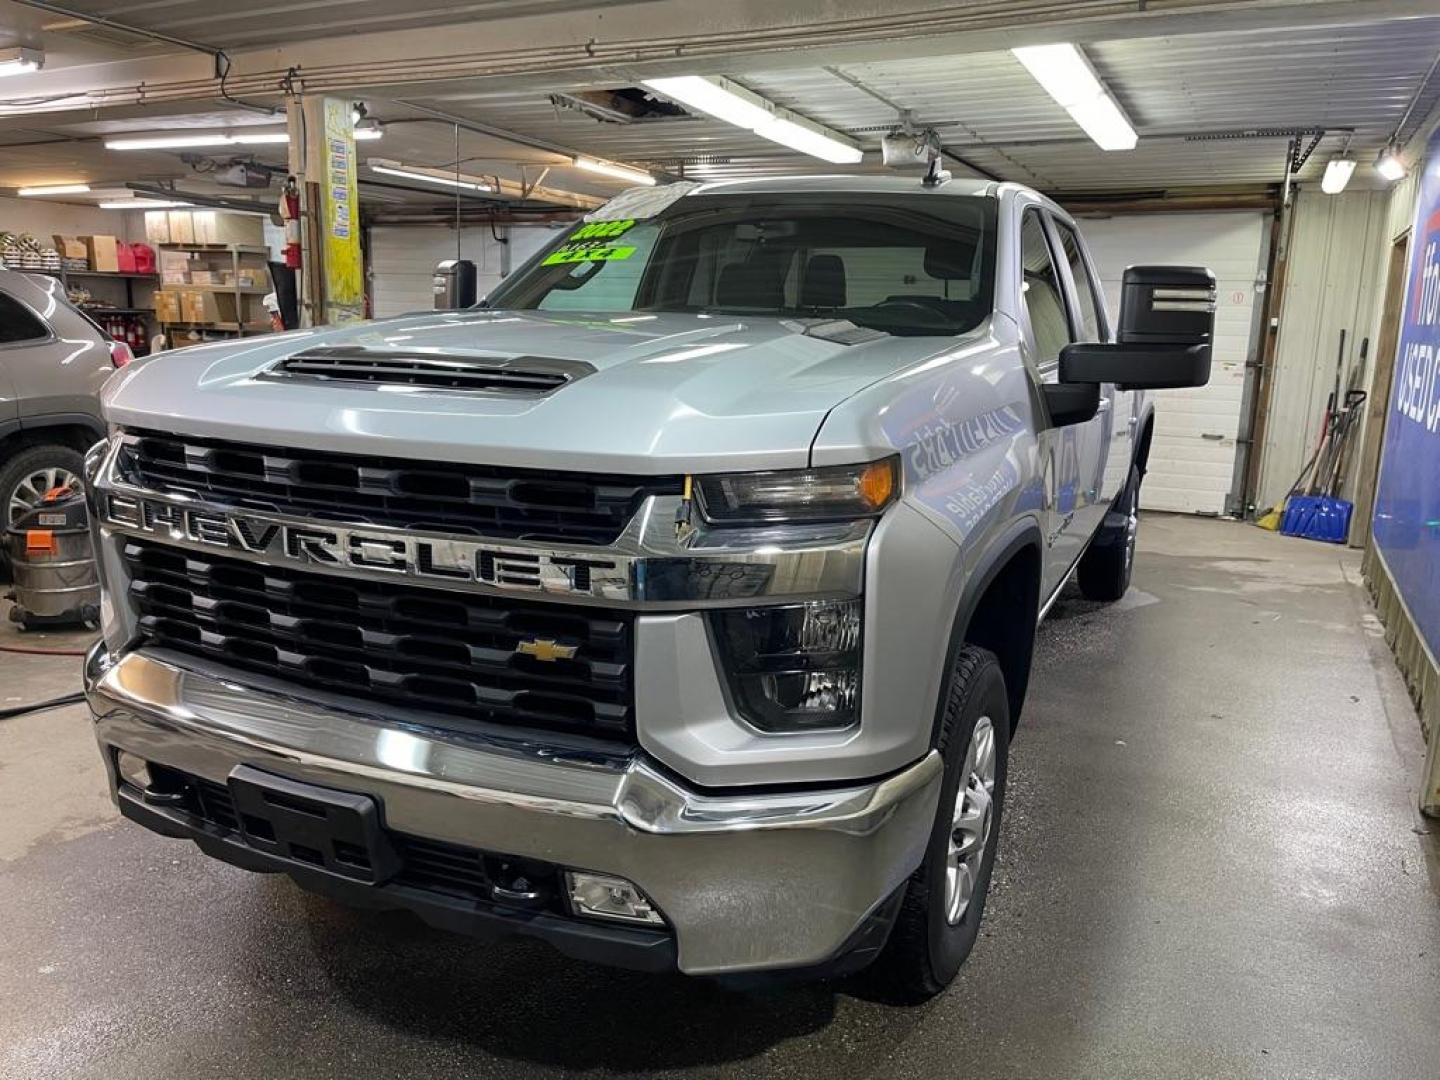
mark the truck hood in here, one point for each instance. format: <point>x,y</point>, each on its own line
<point>671,393</point>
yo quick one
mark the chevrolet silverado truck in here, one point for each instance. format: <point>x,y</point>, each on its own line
<point>675,605</point>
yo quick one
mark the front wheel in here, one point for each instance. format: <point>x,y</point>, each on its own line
<point>1104,572</point>
<point>939,917</point>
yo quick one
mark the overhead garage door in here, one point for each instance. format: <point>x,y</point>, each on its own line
<point>1192,458</point>
<point>403,258</point>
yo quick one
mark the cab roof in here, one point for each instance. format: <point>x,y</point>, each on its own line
<point>860,183</point>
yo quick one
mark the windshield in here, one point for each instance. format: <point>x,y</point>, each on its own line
<point>902,264</point>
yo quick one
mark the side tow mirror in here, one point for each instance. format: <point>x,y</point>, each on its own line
<point>1167,321</point>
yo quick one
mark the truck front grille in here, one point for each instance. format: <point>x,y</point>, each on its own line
<point>481,500</point>
<point>450,653</point>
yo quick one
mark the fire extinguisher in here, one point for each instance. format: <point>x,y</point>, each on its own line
<point>290,214</point>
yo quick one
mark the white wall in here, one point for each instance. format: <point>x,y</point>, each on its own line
<point>44,217</point>
<point>1333,281</point>
<point>403,259</point>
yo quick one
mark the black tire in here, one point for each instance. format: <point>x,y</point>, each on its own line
<point>1104,572</point>
<point>926,950</point>
<point>22,470</point>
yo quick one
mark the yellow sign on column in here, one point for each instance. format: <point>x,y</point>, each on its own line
<point>344,271</point>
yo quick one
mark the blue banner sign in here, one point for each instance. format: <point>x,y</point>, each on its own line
<point>1407,504</point>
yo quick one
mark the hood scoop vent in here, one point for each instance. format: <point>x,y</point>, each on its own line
<point>400,370</point>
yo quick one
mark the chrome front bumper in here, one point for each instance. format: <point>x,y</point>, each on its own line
<point>747,882</point>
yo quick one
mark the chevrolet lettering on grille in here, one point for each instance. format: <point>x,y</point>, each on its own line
<point>376,551</point>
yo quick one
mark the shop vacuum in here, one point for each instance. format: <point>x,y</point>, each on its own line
<point>53,564</point>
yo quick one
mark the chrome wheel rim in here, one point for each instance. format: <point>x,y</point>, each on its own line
<point>1132,530</point>
<point>970,821</point>
<point>26,494</point>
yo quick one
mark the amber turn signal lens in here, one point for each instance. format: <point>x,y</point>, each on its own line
<point>876,483</point>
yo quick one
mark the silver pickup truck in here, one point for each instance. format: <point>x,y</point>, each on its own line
<point>674,606</point>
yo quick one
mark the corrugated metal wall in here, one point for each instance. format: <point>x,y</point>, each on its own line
<point>1334,281</point>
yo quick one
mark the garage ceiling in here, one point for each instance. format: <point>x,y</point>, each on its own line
<point>227,25</point>
<point>1215,90</point>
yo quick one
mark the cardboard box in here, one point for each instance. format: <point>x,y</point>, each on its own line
<point>174,267</point>
<point>71,247</point>
<point>103,253</point>
<point>167,306</point>
<point>253,278</point>
<point>203,277</point>
<point>157,226</point>
<point>182,227</point>
<point>200,306</point>
<point>218,227</point>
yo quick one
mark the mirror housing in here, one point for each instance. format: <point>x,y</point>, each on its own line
<point>1167,321</point>
<point>1071,403</point>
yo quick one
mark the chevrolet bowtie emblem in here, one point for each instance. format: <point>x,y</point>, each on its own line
<point>547,650</point>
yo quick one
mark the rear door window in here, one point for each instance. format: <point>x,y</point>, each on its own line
<point>1040,287</point>
<point>18,323</point>
<point>1092,309</point>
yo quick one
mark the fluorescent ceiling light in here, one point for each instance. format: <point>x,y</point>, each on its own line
<point>618,172</point>
<point>56,189</point>
<point>716,97</point>
<point>199,139</point>
<point>367,129</point>
<point>166,142</point>
<point>1064,73</point>
<point>390,169</point>
<point>810,139</point>
<point>141,204</point>
<point>1337,174</point>
<point>20,61</point>
<point>731,102</point>
<point>1389,164</point>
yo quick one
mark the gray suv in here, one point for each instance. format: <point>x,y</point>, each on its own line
<point>674,606</point>
<point>53,362</point>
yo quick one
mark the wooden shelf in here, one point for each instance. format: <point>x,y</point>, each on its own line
<point>117,310</point>
<point>226,327</point>
<point>220,249</point>
<point>245,290</point>
<point>118,275</point>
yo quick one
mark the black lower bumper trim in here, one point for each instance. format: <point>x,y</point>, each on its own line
<point>616,946</point>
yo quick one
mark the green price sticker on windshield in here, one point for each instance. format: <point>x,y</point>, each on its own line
<point>567,254</point>
<point>593,242</point>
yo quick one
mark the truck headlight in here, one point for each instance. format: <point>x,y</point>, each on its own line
<point>833,493</point>
<point>793,668</point>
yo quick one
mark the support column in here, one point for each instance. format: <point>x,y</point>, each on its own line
<point>322,158</point>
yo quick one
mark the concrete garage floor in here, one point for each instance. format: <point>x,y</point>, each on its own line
<point>1210,867</point>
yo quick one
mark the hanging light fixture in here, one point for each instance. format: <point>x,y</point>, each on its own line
<point>1390,165</point>
<point>1337,174</point>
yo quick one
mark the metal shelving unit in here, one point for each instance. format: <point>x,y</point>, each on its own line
<point>130,307</point>
<point>241,326</point>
